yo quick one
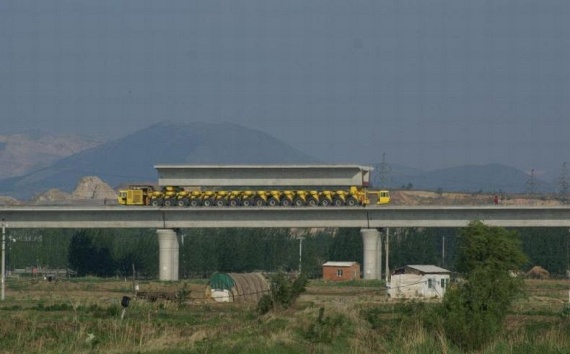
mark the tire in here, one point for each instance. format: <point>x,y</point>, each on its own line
<point>183,202</point>
<point>325,202</point>
<point>351,201</point>
<point>195,203</point>
<point>337,202</point>
<point>259,202</point>
<point>298,202</point>
<point>156,202</point>
<point>312,202</point>
<point>247,202</point>
<point>286,202</point>
<point>233,203</point>
<point>221,202</point>
<point>168,202</point>
<point>273,202</point>
<point>208,202</point>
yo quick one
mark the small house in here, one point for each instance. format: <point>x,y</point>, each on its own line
<point>341,271</point>
<point>418,281</point>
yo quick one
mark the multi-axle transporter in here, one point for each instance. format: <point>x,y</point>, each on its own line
<point>257,185</point>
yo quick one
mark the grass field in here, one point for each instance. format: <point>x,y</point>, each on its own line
<point>85,316</point>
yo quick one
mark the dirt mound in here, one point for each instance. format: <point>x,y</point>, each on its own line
<point>537,272</point>
<point>9,201</point>
<point>93,187</point>
<point>52,196</point>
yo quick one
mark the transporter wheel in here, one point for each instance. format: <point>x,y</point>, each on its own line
<point>312,202</point>
<point>259,202</point>
<point>286,202</point>
<point>233,202</point>
<point>351,201</point>
<point>156,202</point>
<point>221,202</point>
<point>208,202</point>
<point>325,202</point>
<point>183,202</point>
<point>247,202</point>
<point>168,202</point>
<point>298,202</point>
<point>194,203</point>
<point>338,202</point>
<point>273,202</point>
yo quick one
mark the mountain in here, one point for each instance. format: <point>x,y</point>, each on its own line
<point>131,159</point>
<point>470,178</point>
<point>25,152</point>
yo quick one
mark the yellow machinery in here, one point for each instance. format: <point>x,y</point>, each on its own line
<point>171,196</point>
<point>136,195</point>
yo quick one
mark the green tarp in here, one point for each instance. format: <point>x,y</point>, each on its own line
<point>221,281</point>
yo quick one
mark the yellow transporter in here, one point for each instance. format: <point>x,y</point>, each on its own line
<point>259,185</point>
<point>175,196</point>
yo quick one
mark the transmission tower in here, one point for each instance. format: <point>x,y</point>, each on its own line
<point>563,183</point>
<point>531,183</point>
<point>384,170</point>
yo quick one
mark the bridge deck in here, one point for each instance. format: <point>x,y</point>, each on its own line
<point>369,217</point>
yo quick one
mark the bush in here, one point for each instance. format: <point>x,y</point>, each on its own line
<point>284,291</point>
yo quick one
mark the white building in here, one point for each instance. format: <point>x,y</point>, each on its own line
<point>418,281</point>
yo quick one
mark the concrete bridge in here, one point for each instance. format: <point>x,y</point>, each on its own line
<point>370,220</point>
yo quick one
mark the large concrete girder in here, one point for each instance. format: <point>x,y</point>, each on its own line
<point>286,176</point>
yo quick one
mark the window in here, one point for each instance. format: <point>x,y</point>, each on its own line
<point>430,283</point>
<point>443,283</point>
<point>339,272</point>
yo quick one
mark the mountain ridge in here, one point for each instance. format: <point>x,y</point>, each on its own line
<point>131,160</point>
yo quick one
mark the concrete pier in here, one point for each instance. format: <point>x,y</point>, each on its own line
<point>168,254</point>
<point>372,253</point>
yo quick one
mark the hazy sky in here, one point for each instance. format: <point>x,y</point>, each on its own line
<point>430,83</point>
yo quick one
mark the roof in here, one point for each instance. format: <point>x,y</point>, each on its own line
<point>428,268</point>
<point>339,264</point>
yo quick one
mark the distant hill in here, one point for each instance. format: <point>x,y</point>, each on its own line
<point>471,178</point>
<point>131,159</point>
<point>25,152</point>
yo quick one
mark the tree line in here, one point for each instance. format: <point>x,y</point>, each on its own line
<point>115,252</point>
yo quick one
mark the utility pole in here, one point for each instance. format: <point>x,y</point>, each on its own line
<point>300,252</point>
<point>443,251</point>
<point>3,257</point>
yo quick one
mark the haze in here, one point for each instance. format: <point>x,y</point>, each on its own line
<point>430,83</point>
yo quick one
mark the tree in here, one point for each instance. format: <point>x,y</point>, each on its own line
<point>474,311</point>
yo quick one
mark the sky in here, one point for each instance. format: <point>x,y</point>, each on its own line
<point>429,83</point>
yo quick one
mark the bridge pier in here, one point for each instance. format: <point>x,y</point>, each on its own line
<point>372,242</point>
<point>168,254</point>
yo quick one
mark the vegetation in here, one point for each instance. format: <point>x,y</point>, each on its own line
<point>83,315</point>
<point>284,291</point>
<point>114,252</point>
<point>474,311</point>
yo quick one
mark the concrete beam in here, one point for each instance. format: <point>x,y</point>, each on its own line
<point>286,176</point>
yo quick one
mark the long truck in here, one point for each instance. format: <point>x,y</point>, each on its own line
<point>257,185</point>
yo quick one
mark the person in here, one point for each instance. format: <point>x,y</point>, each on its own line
<point>496,199</point>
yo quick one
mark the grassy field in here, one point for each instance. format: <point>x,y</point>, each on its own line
<point>85,316</point>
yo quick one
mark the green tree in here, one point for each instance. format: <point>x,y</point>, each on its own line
<point>474,311</point>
